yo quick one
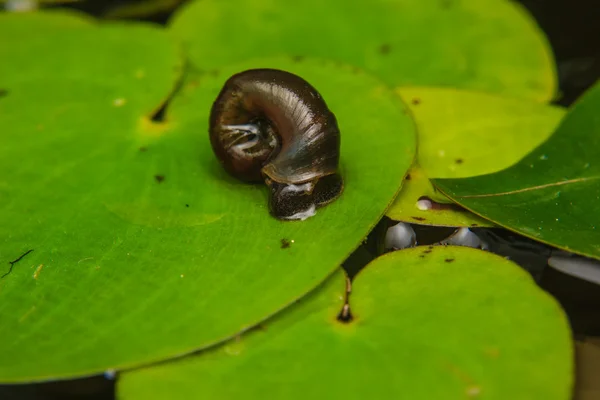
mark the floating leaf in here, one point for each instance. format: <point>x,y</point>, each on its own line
<point>490,45</point>
<point>462,134</point>
<point>144,248</point>
<point>419,203</point>
<point>139,61</point>
<point>484,329</point>
<point>553,194</point>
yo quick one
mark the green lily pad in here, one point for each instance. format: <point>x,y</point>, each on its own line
<point>139,61</point>
<point>408,206</point>
<point>489,45</point>
<point>552,195</point>
<point>144,248</point>
<point>429,323</point>
<point>461,134</point>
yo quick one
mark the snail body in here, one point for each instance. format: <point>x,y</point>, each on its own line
<point>273,126</point>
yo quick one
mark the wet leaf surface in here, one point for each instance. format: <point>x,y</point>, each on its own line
<point>463,133</point>
<point>553,194</point>
<point>143,247</point>
<point>404,42</point>
<point>405,337</point>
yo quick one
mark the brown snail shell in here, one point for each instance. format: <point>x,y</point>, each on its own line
<point>273,126</point>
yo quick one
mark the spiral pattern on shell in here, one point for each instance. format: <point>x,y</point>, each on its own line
<point>273,126</point>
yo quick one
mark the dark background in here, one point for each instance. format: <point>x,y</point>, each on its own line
<point>573,29</point>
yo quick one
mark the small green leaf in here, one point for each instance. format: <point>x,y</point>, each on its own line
<point>144,248</point>
<point>489,45</point>
<point>140,61</point>
<point>463,133</point>
<point>553,194</point>
<point>429,323</point>
<point>408,206</point>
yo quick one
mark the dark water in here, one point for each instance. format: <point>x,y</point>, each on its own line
<point>573,29</point>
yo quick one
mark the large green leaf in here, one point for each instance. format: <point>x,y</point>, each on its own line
<point>463,133</point>
<point>429,323</point>
<point>552,195</point>
<point>490,45</point>
<point>143,247</point>
<point>139,61</point>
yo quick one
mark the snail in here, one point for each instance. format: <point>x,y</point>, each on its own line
<point>272,126</point>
